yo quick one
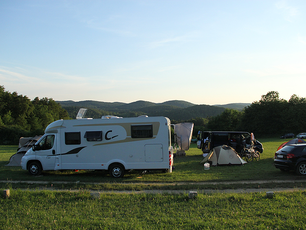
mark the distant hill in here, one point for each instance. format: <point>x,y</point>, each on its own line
<point>176,109</point>
<point>237,106</point>
<point>92,104</point>
<point>136,105</point>
<point>176,103</point>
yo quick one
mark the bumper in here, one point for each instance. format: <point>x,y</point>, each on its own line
<point>23,163</point>
<point>284,164</point>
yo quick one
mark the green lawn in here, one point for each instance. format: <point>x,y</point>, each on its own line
<point>44,209</point>
<point>79,210</point>
<point>187,169</point>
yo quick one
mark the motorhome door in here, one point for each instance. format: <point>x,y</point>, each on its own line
<point>154,153</point>
<point>45,151</point>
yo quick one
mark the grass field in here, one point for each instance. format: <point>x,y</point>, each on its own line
<point>79,210</point>
<point>187,169</point>
<point>44,209</point>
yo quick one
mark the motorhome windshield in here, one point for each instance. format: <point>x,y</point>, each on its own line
<point>46,143</point>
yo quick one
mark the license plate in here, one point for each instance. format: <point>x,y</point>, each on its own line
<point>280,156</point>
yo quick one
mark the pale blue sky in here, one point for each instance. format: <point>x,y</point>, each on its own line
<point>204,52</point>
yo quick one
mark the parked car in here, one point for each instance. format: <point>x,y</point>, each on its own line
<point>291,157</point>
<point>287,135</point>
<point>301,135</point>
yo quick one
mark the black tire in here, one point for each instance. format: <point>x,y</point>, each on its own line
<point>116,170</point>
<point>34,168</point>
<point>301,168</point>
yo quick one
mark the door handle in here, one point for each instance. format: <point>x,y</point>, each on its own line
<point>53,151</point>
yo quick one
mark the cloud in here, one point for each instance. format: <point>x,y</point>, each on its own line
<point>190,37</point>
<point>64,77</point>
<point>167,41</point>
<point>61,86</point>
<point>14,76</point>
<point>94,24</point>
<point>288,12</point>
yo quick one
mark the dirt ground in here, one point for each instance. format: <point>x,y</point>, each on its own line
<point>282,188</point>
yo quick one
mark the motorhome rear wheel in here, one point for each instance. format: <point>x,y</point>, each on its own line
<point>116,170</point>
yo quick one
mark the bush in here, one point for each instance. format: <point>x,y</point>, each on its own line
<point>10,135</point>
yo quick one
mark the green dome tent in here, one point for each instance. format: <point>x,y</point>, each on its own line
<point>223,155</point>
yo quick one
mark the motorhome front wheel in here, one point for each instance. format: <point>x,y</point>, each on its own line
<point>34,168</point>
<point>116,170</point>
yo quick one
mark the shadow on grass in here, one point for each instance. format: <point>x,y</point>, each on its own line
<point>186,169</point>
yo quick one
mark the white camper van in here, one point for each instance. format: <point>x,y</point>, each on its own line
<point>111,143</point>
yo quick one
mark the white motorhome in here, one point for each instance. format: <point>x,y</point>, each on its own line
<point>111,143</point>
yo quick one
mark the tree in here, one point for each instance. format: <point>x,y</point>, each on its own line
<point>2,101</point>
<point>19,115</point>
<point>274,116</point>
<point>294,99</point>
<point>294,115</point>
<point>271,96</point>
<point>228,120</point>
<point>265,116</point>
<point>8,119</point>
<point>200,124</point>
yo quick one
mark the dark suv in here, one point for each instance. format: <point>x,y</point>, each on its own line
<point>291,157</point>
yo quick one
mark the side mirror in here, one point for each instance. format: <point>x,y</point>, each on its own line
<point>35,147</point>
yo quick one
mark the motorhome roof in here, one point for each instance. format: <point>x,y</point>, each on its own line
<point>61,123</point>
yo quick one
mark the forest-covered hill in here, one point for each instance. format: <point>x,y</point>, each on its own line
<point>237,106</point>
<point>270,116</point>
<point>176,109</point>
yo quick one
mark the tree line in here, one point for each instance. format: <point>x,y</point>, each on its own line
<point>19,116</point>
<point>270,116</point>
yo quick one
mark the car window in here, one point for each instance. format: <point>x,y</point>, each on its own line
<point>287,148</point>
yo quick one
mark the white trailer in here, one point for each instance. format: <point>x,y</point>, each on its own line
<point>113,144</point>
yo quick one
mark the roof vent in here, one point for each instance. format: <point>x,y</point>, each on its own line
<point>81,113</point>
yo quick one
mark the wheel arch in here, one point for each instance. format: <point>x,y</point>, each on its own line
<point>297,167</point>
<point>31,161</point>
<point>116,161</point>
<point>302,159</point>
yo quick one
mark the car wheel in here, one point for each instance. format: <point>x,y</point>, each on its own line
<point>116,170</point>
<point>301,168</point>
<point>34,168</point>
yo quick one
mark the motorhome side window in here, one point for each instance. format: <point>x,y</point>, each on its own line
<point>46,143</point>
<point>73,138</point>
<point>93,135</point>
<point>142,131</point>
